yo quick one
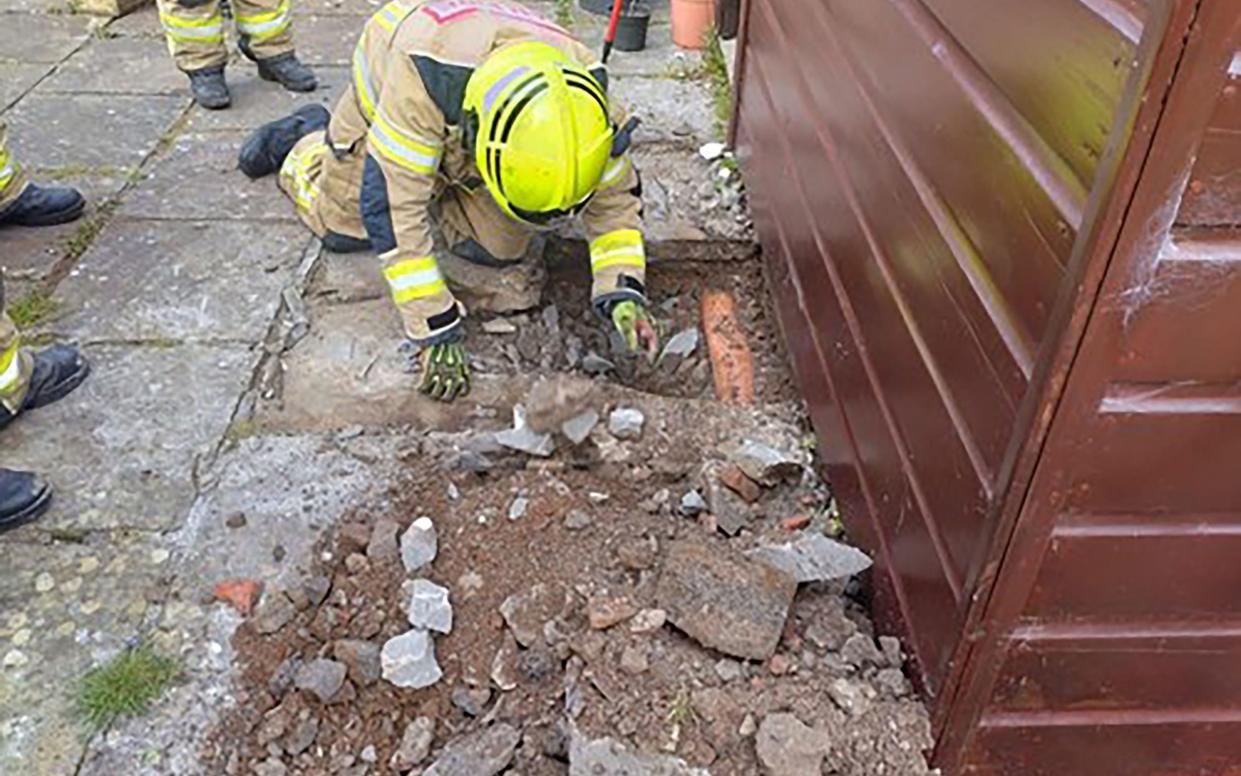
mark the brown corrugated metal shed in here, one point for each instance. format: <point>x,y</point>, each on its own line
<point>1003,235</point>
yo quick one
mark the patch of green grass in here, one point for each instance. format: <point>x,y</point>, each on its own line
<point>125,686</point>
<point>715,65</point>
<point>564,13</point>
<point>32,309</point>
<point>681,711</point>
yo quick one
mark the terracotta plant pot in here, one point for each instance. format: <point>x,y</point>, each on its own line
<point>690,21</point>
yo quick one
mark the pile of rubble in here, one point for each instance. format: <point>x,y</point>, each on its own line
<point>594,590</point>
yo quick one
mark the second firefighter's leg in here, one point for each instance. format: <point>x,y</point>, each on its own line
<point>25,204</point>
<point>15,363</point>
<point>266,31</point>
<point>301,176</point>
<point>492,263</point>
<point>195,33</point>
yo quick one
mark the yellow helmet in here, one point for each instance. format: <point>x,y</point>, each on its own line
<point>542,134</point>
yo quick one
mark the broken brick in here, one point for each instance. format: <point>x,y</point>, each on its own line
<point>737,481</point>
<point>241,594</point>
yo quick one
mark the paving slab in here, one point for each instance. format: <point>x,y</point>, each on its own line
<point>64,608</point>
<point>90,133</point>
<point>118,66</point>
<point>672,110</point>
<point>324,39</point>
<point>17,78</point>
<point>31,253</point>
<point>197,179</point>
<point>349,371</point>
<point>121,449</point>
<point>179,281</point>
<point>336,7</point>
<point>661,57</point>
<point>256,102</point>
<point>140,23</point>
<point>41,37</point>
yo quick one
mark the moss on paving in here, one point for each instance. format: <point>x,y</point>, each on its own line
<point>124,686</point>
<point>32,309</point>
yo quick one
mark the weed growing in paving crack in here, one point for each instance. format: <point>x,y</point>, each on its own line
<point>716,66</point>
<point>32,309</point>
<point>125,686</point>
<point>88,230</point>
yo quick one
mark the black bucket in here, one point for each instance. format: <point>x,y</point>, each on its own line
<point>601,7</point>
<point>631,29</point>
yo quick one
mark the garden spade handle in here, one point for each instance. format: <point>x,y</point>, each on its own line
<point>610,37</point>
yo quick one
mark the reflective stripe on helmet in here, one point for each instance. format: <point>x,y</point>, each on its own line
<point>419,155</point>
<point>414,279</point>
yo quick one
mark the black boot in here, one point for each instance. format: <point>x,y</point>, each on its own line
<point>285,69</point>
<point>23,497</point>
<point>209,88</point>
<point>38,206</point>
<point>343,243</point>
<point>57,371</point>
<point>266,147</point>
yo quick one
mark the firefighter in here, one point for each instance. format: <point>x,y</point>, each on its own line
<point>195,33</point>
<point>29,379</point>
<point>469,127</point>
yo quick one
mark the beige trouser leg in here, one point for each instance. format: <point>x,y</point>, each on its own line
<point>13,179</point>
<point>492,263</point>
<point>324,188</point>
<point>266,26</point>
<point>195,32</point>
<point>15,361</point>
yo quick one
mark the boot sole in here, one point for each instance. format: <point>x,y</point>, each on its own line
<point>308,87</point>
<point>30,513</point>
<point>52,219</point>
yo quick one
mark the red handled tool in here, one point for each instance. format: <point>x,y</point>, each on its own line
<point>610,37</point>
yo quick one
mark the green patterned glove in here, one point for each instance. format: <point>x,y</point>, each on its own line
<point>637,326</point>
<point>445,371</point>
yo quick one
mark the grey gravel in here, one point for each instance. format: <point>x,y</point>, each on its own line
<point>429,607</point>
<point>419,545</point>
<point>626,423</point>
<point>408,660</point>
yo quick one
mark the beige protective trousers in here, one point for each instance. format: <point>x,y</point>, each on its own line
<point>12,178</point>
<point>195,30</point>
<point>15,361</point>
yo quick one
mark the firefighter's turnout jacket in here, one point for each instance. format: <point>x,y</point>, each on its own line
<point>395,165</point>
<point>195,30</point>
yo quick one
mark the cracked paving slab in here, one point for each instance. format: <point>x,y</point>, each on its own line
<point>198,179</point>
<point>32,253</point>
<point>121,449</point>
<point>65,608</point>
<point>90,130</point>
<point>40,37</point>
<point>289,489</point>
<point>118,66</point>
<point>17,78</point>
<point>179,281</point>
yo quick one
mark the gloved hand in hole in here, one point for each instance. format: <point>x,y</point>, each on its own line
<point>636,325</point>
<point>445,371</point>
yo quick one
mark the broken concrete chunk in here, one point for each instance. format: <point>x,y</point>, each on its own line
<point>787,747</point>
<point>648,621</point>
<point>603,612</point>
<point>525,440</point>
<point>429,607</point>
<point>711,151</point>
<point>419,545</point>
<point>595,364</point>
<point>504,664</point>
<point>321,678</point>
<point>814,558</point>
<point>890,646</point>
<point>408,660</point>
<point>849,696</point>
<point>302,736</point>
<point>693,504</point>
<point>517,509</point>
<point>609,757</point>
<point>361,658</point>
<point>415,744</point>
<point>273,613</point>
<point>554,400</point>
<point>765,464</point>
<point>860,651</point>
<point>471,700</point>
<point>499,326</point>
<point>482,753</point>
<point>724,600</point>
<point>730,511</point>
<point>525,613</point>
<point>577,429</point>
<point>893,682</point>
<point>577,519</point>
<point>626,423</point>
<point>682,344</point>
<point>382,544</point>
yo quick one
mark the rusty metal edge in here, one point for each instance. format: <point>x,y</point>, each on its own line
<point>1112,197</point>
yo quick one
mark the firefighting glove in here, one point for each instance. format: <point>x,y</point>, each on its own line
<point>445,371</point>
<point>637,326</point>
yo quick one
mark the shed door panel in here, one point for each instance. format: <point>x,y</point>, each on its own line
<point>918,198</point>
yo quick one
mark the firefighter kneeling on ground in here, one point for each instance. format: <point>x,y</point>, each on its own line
<point>469,128</point>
